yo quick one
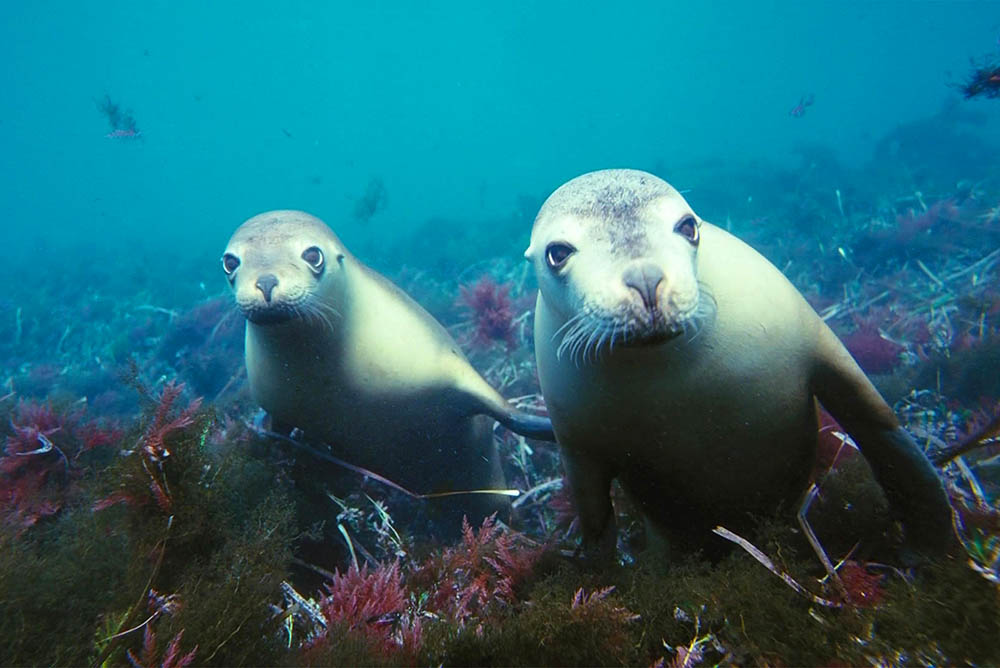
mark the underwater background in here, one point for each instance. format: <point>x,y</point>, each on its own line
<point>459,109</point>
<point>845,140</point>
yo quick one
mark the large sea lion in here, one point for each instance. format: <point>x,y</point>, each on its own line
<point>335,349</point>
<point>676,358</point>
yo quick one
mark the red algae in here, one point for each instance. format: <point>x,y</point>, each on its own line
<point>374,603</point>
<point>873,352</point>
<point>912,224</point>
<point>40,465</point>
<point>864,589</point>
<point>833,445</point>
<point>492,311</point>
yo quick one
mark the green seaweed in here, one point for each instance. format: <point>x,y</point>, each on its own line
<point>225,594</point>
<point>82,587</point>
<point>76,588</point>
<point>347,647</point>
<point>55,584</point>
<point>223,550</point>
<point>737,612</point>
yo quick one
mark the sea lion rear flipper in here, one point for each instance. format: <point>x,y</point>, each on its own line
<point>482,398</point>
<point>525,424</point>
<point>909,480</point>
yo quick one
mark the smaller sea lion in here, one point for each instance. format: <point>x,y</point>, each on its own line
<point>335,349</point>
<point>676,358</point>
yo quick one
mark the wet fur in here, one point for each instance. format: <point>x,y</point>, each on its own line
<point>325,354</point>
<point>712,427</point>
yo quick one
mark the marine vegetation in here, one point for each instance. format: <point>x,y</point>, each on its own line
<point>983,80</point>
<point>491,312</point>
<point>372,201</point>
<point>146,520</point>
<point>122,122</point>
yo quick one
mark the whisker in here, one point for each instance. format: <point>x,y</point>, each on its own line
<point>321,317</point>
<point>326,319</point>
<point>703,313</point>
<point>583,337</point>
<point>327,307</point>
<point>301,312</point>
<point>602,341</point>
<point>308,312</point>
<point>568,326</point>
<point>583,342</point>
<point>598,341</point>
<point>574,327</point>
<point>571,340</point>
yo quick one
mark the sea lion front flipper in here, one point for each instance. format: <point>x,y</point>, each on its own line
<point>590,487</point>
<point>909,480</point>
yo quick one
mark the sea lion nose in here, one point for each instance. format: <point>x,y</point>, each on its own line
<point>266,285</point>
<point>644,279</point>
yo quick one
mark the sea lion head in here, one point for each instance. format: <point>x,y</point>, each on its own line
<point>615,255</point>
<point>283,265</point>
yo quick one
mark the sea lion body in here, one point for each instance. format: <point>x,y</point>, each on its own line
<point>700,396</point>
<point>341,353</point>
<point>367,391</point>
<point>703,426</point>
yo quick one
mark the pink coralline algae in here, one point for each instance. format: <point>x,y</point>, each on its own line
<point>154,451</point>
<point>373,603</point>
<point>150,656</point>
<point>873,352</point>
<point>911,224</point>
<point>483,573</point>
<point>864,589</point>
<point>492,310</point>
<point>40,464</point>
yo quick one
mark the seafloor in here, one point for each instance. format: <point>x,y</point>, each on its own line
<point>144,521</point>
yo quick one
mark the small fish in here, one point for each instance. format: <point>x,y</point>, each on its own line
<point>124,134</point>
<point>800,109</point>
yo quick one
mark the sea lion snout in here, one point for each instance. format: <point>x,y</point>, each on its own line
<point>266,285</point>
<point>645,278</point>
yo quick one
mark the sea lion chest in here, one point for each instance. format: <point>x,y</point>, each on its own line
<point>370,385</point>
<point>722,419</point>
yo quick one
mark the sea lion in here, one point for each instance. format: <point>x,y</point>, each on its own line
<point>337,350</point>
<point>676,358</point>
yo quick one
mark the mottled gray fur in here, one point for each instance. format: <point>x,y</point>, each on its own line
<point>273,230</point>
<point>612,201</point>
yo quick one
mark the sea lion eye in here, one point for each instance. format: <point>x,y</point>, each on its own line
<point>557,254</point>
<point>688,228</point>
<point>314,258</point>
<point>230,263</point>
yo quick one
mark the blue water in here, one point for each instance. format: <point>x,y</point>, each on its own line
<point>459,107</point>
